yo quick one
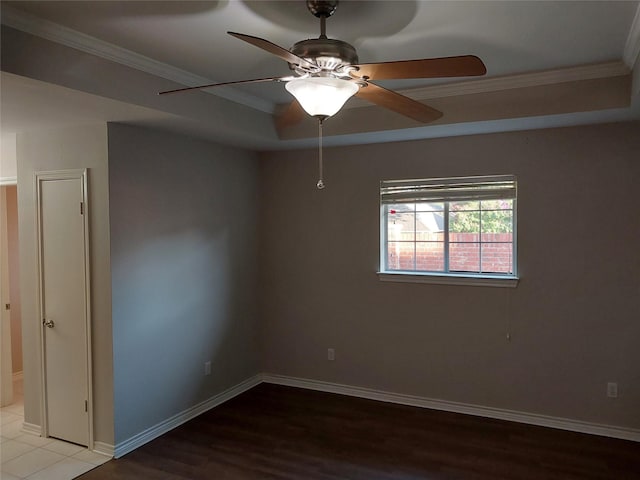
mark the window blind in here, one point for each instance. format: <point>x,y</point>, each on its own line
<point>448,189</point>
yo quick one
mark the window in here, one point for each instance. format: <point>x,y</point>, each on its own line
<point>449,227</point>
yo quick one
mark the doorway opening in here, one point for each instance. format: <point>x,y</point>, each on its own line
<point>10,303</point>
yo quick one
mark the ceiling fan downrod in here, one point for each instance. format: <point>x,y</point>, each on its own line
<point>322,9</point>
<point>330,55</point>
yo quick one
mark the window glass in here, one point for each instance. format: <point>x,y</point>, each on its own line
<point>468,230</point>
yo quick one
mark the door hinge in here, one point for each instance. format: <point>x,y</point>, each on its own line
<point>86,406</point>
<point>81,208</point>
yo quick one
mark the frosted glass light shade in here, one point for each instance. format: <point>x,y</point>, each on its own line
<point>321,96</point>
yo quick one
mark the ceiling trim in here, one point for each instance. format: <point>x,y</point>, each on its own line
<point>72,38</point>
<point>509,82</point>
<point>632,47</point>
<point>599,94</point>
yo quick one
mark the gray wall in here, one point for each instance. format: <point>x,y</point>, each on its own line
<point>184,262</point>
<point>60,149</point>
<point>573,318</point>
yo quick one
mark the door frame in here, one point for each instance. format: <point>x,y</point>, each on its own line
<point>6,381</point>
<point>39,178</point>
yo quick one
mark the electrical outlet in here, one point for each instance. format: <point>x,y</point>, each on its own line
<point>331,354</point>
<point>207,368</point>
<point>612,390</point>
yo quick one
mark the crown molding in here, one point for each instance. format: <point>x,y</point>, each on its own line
<point>508,82</point>
<point>71,38</point>
<point>68,37</point>
<point>632,47</point>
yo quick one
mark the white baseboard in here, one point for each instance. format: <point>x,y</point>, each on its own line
<point>8,181</point>
<point>103,448</point>
<point>477,410</point>
<point>98,447</point>
<point>163,427</point>
<point>151,433</point>
<point>32,429</point>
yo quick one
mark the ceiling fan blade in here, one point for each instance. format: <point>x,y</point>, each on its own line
<point>211,85</point>
<point>462,66</point>
<point>289,116</point>
<point>398,103</point>
<point>274,49</point>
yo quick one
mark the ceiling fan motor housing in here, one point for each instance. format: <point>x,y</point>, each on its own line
<point>329,54</point>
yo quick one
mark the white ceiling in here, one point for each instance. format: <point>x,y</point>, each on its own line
<point>187,41</point>
<point>35,105</point>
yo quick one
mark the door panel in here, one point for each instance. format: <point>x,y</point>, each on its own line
<point>64,308</point>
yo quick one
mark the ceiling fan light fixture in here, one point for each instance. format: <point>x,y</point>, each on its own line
<point>322,96</point>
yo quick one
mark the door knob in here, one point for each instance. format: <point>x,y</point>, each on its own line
<point>48,323</point>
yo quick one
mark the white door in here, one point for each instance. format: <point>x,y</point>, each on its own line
<point>64,304</point>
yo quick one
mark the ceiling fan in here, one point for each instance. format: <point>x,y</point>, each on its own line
<point>326,73</point>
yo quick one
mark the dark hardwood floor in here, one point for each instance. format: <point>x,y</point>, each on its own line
<point>275,432</point>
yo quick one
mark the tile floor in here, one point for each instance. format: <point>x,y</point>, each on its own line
<point>28,456</point>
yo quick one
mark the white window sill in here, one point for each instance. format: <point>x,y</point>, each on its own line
<point>452,279</point>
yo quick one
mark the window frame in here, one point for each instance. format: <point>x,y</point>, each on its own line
<point>447,277</point>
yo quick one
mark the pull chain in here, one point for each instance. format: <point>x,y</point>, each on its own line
<point>320,183</point>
